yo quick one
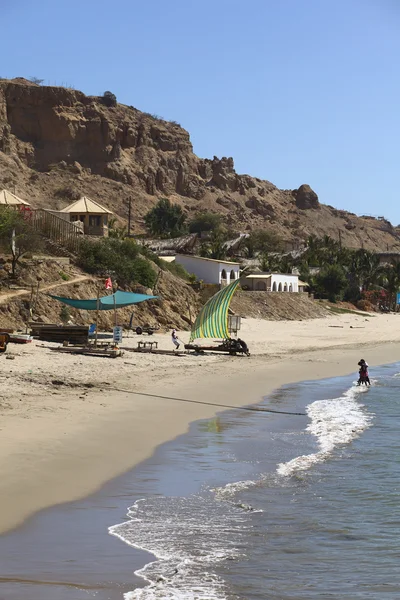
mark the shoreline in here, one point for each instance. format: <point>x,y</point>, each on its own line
<point>67,454</point>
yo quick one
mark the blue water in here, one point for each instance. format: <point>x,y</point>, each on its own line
<point>245,506</point>
<point>279,507</point>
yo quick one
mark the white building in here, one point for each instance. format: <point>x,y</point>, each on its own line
<point>272,282</point>
<point>209,270</point>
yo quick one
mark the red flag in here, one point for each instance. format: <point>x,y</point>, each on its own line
<point>108,284</point>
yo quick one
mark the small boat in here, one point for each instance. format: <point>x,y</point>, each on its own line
<point>20,338</point>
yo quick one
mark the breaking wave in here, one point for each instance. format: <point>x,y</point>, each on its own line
<point>333,422</point>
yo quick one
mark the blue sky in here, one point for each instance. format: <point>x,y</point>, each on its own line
<point>297,91</point>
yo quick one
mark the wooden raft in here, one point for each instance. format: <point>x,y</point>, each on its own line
<point>156,351</point>
<point>88,351</point>
<point>73,334</point>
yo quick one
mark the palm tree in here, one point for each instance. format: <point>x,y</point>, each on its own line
<point>391,280</point>
<point>365,268</point>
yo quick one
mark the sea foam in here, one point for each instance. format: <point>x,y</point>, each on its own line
<point>188,536</point>
<point>334,423</point>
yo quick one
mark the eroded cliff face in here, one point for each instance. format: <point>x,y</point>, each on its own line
<point>57,143</point>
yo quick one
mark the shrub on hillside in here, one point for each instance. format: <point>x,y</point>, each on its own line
<point>203,222</point>
<point>118,258</point>
<point>173,267</point>
<point>177,270</point>
<point>109,99</point>
<point>165,219</point>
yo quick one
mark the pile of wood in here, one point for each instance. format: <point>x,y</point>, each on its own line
<point>73,334</point>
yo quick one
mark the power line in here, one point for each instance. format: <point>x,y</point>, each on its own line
<point>248,408</point>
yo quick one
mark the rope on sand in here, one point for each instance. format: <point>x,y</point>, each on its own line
<point>248,408</point>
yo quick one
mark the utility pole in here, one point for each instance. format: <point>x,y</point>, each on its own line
<point>129,216</point>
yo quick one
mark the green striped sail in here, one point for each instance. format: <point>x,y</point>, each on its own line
<point>212,320</point>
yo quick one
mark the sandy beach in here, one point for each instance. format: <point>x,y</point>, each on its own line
<point>66,430</point>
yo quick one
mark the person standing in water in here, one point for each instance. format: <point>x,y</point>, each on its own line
<point>363,373</point>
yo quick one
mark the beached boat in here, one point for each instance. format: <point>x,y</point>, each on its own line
<point>20,338</point>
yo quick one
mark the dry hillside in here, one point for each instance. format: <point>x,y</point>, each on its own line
<point>178,302</point>
<point>57,143</point>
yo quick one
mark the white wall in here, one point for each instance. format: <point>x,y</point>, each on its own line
<point>208,271</point>
<point>278,283</point>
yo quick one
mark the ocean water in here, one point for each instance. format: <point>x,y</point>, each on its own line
<point>264,506</point>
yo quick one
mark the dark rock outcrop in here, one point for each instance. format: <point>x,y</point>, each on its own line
<point>306,197</point>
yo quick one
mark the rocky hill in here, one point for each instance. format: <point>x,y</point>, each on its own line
<point>57,143</point>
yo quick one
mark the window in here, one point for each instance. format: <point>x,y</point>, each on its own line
<point>223,274</point>
<point>94,221</point>
<point>233,275</point>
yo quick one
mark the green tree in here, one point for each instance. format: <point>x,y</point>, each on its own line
<point>204,222</point>
<point>216,246</point>
<point>120,259</point>
<point>391,281</point>
<point>331,282</point>
<point>115,231</point>
<point>165,219</point>
<point>17,237</point>
<point>262,241</point>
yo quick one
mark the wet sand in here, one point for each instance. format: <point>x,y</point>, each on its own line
<point>66,431</point>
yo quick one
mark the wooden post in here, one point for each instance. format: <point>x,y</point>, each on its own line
<point>97,316</point>
<point>115,310</point>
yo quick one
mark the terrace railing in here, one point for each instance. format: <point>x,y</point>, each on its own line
<point>57,230</point>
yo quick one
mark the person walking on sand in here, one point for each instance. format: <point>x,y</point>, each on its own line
<point>175,339</point>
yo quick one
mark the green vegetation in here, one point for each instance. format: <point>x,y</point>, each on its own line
<point>120,259</point>
<point>345,311</point>
<point>64,276</point>
<point>204,222</point>
<point>262,241</point>
<point>115,231</point>
<point>109,99</point>
<point>173,267</point>
<point>176,269</point>
<point>165,219</point>
<point>215,247</point>
<point>332,271</point>
<point>65,314</point>
<point>17,237</point>
<point>353,275</point>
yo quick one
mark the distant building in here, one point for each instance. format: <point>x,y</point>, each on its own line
<point>209,270</point>
<point>89,212</point>
<point>386,258</point>
<point>272,282</point>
